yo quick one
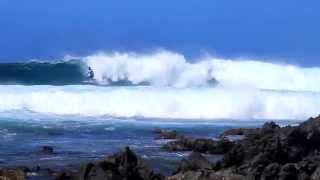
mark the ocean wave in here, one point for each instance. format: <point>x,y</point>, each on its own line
<point>162,69</point>
<point>171,69</point>
<point>156,102</point>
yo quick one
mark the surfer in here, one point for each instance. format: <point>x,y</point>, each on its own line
<point>90,73</point>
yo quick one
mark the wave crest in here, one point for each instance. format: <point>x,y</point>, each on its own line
<point>171,69</point>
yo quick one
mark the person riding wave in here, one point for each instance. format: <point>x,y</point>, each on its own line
<point>90,73</point>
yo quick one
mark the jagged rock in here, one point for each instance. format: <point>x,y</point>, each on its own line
<point>237,132</point>
<point>288,172</point>
<point>272,152</point>
<point>195,175</point>
<point>195,161</point>
<point>270,172</point>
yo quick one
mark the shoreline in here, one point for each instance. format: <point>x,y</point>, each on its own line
<point>268,152</point>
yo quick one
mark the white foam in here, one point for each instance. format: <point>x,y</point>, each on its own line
<point>155,102</point>
<point>171,69</point>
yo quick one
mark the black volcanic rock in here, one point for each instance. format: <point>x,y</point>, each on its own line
<point>266,153</point>
<point>272,152</point>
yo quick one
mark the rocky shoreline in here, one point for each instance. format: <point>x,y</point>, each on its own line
<point>267,153</point>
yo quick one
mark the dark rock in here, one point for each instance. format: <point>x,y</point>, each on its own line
<point>196,175</point>
<point>237,132</point>
<point>84,172</point>
<point>200,145</point>
<point>206,175</point>
<point>166,134</point>
<point>123,165</point>
<point>66,175</point>
<point>288,172</point>
<point>269,127</point>
<point>272,152</point>
<point>316,174</point>
<point>271,172</point>
<point>45,150</point>
<point>195,161</point>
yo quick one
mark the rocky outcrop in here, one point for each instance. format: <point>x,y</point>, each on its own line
<point>195,161</point>
<point>197,167</point>
<point>266,153</point>
<point>237,132</point>
<point>272,152</point>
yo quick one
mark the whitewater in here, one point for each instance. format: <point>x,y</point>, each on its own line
<point>165,85</point>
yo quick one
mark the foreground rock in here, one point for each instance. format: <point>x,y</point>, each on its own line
<point>196,167</point>
<point>272,152</point>
<point>266,153</point>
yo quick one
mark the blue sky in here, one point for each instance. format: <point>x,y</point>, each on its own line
<point>38,29</point>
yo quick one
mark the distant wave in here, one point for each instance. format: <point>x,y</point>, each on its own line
<point>156,102</point>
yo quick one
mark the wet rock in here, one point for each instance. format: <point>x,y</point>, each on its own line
<point>237,132</point>
<point>200,145</point>
<point>12,174</point>
<point>166,134</point>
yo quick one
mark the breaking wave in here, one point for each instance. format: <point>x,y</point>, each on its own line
<point>152,102</point>
<point>172,69</point>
